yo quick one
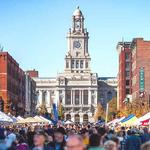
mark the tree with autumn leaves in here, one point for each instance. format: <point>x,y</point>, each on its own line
<point>99,112</point>
<point>137,107</point>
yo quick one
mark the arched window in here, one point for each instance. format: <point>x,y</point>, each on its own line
<point>109,95</point>
<point>77,118</point>
<point>85,118</point>
<point>68,117</point>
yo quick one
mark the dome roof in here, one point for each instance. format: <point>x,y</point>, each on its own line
<point>77,12</point>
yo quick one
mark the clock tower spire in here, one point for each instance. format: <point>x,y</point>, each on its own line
<point>77,58</point>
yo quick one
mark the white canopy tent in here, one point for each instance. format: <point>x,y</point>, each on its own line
<point>5,118</point>
<point>115,121</point>
<point>19,118</point>
<point>145,117</point>
<point>46,119</point>
<point>68,122</point>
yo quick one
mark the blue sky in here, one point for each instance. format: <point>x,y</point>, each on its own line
<point>34,31</point>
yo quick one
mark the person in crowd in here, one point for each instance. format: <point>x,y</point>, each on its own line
<point>117,141</point>
<point>103,133</point>
<point>30,135</point>
<point>110,145</point>
<point>10,140</point>
<point>94,142</point>
<point>133,142</point>
<point>59,139</point>
<point>2,139</point>
<point>145,146</point>
<point>85,135</point>
<point>146,136</point>
<point>21,143</point>
<point>39,141</point>
<point>75,142</point>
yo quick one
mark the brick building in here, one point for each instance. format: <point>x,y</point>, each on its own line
<point>17,88</point>
<point>12,84</point>
<point>140,69</point>
<point>134,70</point>
<point>125,72</point>
<point>33,73</point>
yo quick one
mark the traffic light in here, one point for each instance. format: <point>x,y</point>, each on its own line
<point>1,105</point>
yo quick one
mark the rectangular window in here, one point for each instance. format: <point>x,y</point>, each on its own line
<point>68,97</point>
<point>76,97</point>
<point>127,74</point>
<point>67,64</point>
<point>87,65</point>
<point>81,64</point>
<point>77,63</point>
<point>72,63</point>
<point>85,97</point>
<point>127,65</point>
<point>127,82</point>
<point>127,91</point>
<point>127,56</point>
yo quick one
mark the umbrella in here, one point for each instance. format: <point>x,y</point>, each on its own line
<point>5,118</point>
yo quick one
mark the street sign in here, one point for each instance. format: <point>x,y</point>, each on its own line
<point>141,80</point>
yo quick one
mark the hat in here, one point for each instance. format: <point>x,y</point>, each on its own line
<point>60,130</point>
<point>2,133</point>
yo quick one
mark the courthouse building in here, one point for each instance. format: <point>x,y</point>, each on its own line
<point>77,86</point>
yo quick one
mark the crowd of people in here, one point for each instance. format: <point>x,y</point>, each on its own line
<point>73,137</point>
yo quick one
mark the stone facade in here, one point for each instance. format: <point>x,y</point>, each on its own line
<point>31,95</point>
<point>107,89</point>
<point>77,86</point>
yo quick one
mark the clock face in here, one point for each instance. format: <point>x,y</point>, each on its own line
<point>77,44</point>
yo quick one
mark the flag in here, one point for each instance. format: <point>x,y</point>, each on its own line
<point>60,109</point>
<point>55,112</point>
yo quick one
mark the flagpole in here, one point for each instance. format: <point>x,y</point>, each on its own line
<point>107,109</point>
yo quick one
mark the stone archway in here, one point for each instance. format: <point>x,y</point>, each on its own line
<point>85,118</point>
<point>77,118</point>
<point>68,117</point>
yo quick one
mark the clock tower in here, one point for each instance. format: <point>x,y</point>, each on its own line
<point>77,58</point>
